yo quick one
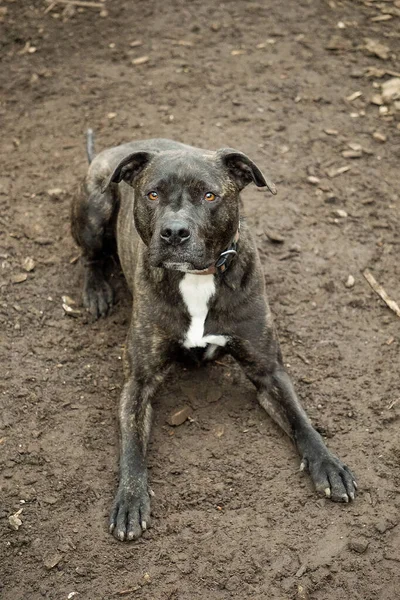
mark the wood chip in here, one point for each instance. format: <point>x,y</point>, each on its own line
<point>381,292</point>
<point>379,18</point>
<point>352,153</point>
<point>141,60</point>
<point>354,96</point>
<point>179,416</point>
<point>136,43</point>
<point>81,3</point>
<point>238,52</point>
<point>338,171</point>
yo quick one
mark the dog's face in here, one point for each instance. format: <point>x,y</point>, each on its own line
<point>186,203</point>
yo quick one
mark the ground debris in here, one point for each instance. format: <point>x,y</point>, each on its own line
<point>358,545</point>
<point>69,306</point>
<point>391,90</point>
<point>350,281</point>
<point>51,560</point>
<point>375,48</point>
<point>335,171</point>
<point>141,60</point>
<point>19,278</point>
<point>179,416</point>
<point>28,264</point>
<point>15,521</point>
<point>381,292</point>
<point>379,137</point>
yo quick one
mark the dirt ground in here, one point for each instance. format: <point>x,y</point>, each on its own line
<point>233,517</point>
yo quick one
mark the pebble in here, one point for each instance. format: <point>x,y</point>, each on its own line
<point>15,521</point>
<point>313,180</point>
<point>379,137</point>
<point>358,545</point>
<point>141,60</point>
<point>51,560</point>
<point>341,213</point>
<point>19,278</point>
<point>28,264</point>
<point>350,281</point>
<point>179,416</point>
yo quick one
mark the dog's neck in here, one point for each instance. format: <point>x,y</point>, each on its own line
<point>225,258</point>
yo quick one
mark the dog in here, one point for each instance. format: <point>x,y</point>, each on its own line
<point>192,266</point>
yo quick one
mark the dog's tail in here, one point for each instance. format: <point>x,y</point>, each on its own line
<point>90,145</point>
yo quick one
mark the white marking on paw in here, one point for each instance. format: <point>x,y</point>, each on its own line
<point>197,291</point>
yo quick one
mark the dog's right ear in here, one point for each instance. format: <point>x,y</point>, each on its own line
<point>128,169</point>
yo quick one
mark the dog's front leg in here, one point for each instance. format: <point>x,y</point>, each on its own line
<point>277,396</point>
<point>130,513</point>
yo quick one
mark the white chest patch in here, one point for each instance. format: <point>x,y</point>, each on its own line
<point>197,291</point>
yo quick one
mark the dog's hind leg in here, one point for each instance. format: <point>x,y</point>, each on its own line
<point>92,217</point>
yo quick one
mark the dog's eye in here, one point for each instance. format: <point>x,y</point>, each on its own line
<point>152,196</point>
<point>210,197</point>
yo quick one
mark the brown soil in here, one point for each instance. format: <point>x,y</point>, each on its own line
<point>233,517</point>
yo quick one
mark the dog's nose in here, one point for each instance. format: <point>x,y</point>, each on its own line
<point>175,233</point>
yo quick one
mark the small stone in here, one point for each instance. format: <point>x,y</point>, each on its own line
<point>28,264</point>
<point>391,90</point>
<point>331,131</point>
<point>359,545</point>
<point>379,137</point>
<point>350,281</point>
<point>275,237</point>
<point>179,416</point>
<point>19,278</point>
<point>341,213</point>
<point>141,60</point>
<point>215,26</point>
<point>352,153</point>
<point>377,49</point>
<point>377,100</point>
<point>51,560</point>
<point>55,193</point>
<point>136,43</point>
<point>15,521</point>
<point>313,180</point>
<point>49,499</point>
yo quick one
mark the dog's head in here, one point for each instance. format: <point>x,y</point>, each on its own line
<point>186,202</point>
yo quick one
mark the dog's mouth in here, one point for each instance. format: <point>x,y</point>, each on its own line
<point>186,267</point>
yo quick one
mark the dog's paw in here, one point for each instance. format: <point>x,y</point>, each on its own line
<point>130,514</point>
<point>97,295</point>
<point>331,477</point>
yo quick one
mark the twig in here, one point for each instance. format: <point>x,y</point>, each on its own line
<point>381,292</point>
<point>82,3</point>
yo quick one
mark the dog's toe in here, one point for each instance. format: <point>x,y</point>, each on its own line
<point>98,299</point>
<point>331,477</point>
<point>130,515</point>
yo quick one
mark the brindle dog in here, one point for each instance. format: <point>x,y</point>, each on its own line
<point>193,269</point>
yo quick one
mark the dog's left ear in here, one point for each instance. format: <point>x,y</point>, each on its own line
<point>128,169</point>
<point>243,170</point>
